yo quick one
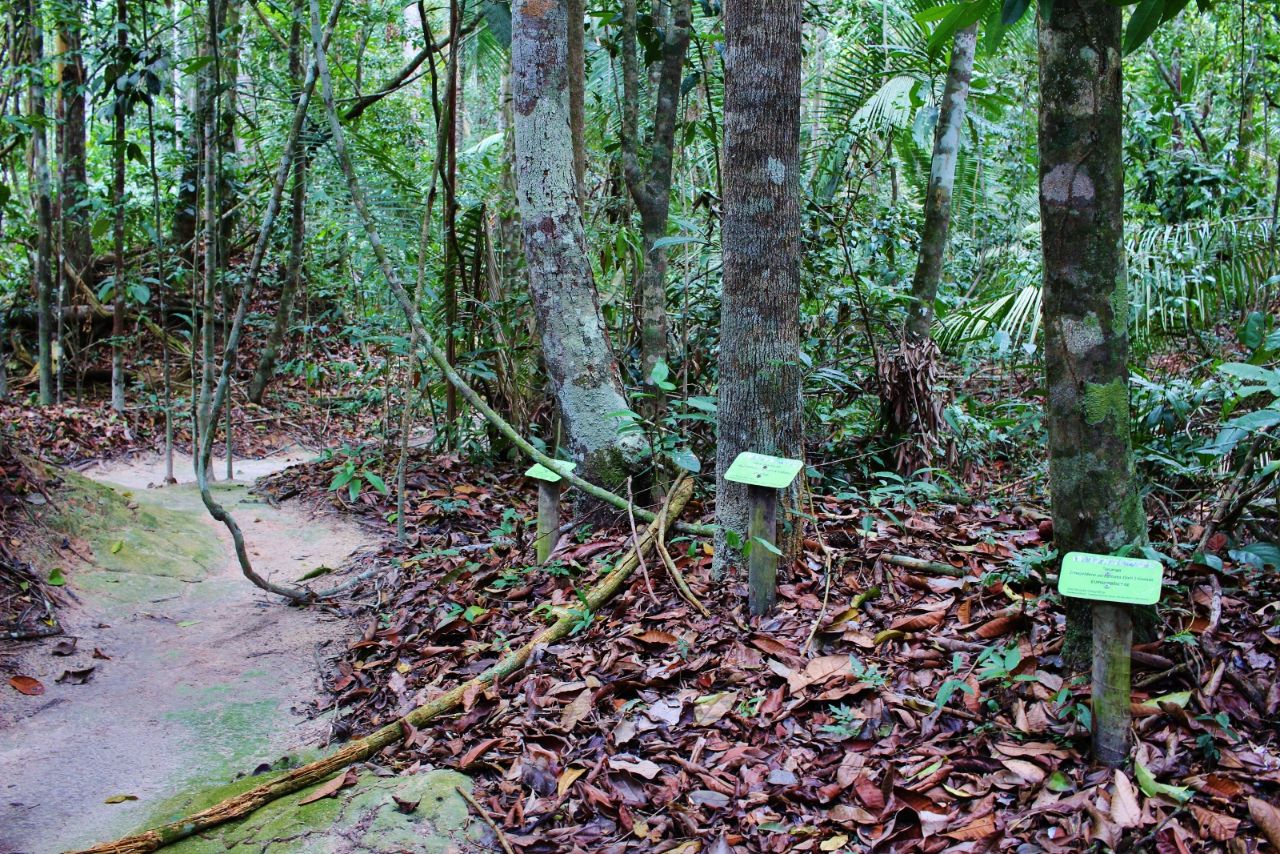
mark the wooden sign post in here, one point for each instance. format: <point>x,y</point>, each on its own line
<point>549,485</point>
<point>764,476</point>
<point>1112,584</point>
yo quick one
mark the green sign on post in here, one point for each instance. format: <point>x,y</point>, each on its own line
<point>1107,578</point>
<point>1112,584</point>
<point>760,470</point>
<point>764,476</point>
<point>548,505</point>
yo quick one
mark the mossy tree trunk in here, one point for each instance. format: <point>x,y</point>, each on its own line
<point>1096,505</point>
<point>580,362</point>
<point>650,184</point>
<point>759,393</point>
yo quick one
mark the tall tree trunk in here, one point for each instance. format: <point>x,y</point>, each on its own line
<point>39,169</point>
<point>230,35</point>
<point>759,395</point>
<point>942,178</point>
<point>580,363</point>
<point>651,188</point>
<point>119,114</point>
<point>911,406</point>
<point>448,171</point>
<point>1096,505</point>
<point>77,245</point>
<point>577,60</point>
<point>297,231</point>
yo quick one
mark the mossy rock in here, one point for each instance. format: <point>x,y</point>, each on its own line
<point>361,819</point>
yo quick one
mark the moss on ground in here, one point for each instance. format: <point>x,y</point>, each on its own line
<point>144,547</point>
<point>362,818</point>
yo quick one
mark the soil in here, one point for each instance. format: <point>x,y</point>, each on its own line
<point>198,677</point>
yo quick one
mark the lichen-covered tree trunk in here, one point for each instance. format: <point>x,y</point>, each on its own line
<point>650,185</point>
<point>1096,505</point>
<point>942,179</point>
<point>580,363</point>
<point>39,172</point>
<point>576,33</point>
<point>266,368</point>
<point>759,394</point>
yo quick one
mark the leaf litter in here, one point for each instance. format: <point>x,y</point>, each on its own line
<point>878,708</point>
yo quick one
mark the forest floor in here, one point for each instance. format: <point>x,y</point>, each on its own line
<point>172,671</point>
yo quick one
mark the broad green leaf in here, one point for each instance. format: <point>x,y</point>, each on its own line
<point>1142,23</point>
<point>56,578</point>
<point>1011,11</point>
<point>687,460</point>
<point>1153,788</point>
<point>376,482</point>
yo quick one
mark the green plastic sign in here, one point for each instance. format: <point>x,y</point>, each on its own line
<point>540,472</point>
<point>761,470</point>
<point>1106,578</point>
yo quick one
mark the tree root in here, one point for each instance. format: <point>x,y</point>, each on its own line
<point>358,751</point>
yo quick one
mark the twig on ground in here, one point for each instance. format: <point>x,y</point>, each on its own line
<point>484,814</point>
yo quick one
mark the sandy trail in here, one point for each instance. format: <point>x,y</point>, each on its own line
<point>206,678</point>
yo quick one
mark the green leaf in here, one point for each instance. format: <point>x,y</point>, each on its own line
<point>768,546</point>
<point>341,479</point>
<point>56,578</point>
<point>1046,10</point>
<point>1011,11</point>
<point>117,546</point>
<point>353,488</point>
<point>376,482</point>
<point>686,460</point>
<point>1142,23</point>
<point>659,373</point>
<point>1267,553</point>
<point>1153,788</point>
<point>960,17</point>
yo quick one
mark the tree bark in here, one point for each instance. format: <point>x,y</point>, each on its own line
<point>1096,505</point>
<point>576,35</point>
<point>650,187</point>
<point>120,111</point>
<point>580,362</point>
<point>942,178</point>
<point>297,231</point>
<point>77,246</point>
<point>759,395</point>
<point>39,172</point>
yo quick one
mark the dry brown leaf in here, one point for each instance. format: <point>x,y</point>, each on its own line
<point>331,788</point>
<point>1267,818</point>
<point>819,670</point>
<point>999,627</point>
<point>477,751</point>
<point>1215,825</point>
<point>656,636</point>
<point>576,710</point>
<point>918,622</point>
<point>1125,810</point>
<point>27,685</point>
<point>979,828</point>
<point>567,778</point>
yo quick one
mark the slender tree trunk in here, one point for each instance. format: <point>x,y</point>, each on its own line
<point>297,233</point>
<point>40,200</point>
<point>759,395</point>
<point>119,115</point>
<point>1096,505</point>
<point>448,170</point>
<point>72,181</point>
<point>576,34</point>
<point>942,177</point>
<point>580,362</point>
<point>651,188</point>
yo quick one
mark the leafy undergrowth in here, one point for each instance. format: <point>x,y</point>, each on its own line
<point>878,707</point>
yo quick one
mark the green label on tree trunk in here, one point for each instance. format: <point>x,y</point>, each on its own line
<point>760,470</point>
<point>540,472</point>
<point>1105,578</point>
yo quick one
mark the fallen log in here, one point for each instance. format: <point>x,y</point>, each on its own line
<point>245,803</point>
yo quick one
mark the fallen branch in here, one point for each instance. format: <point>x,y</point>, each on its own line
<point>243,804</point>
<point>677,577</point>
<point>915,563</point>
